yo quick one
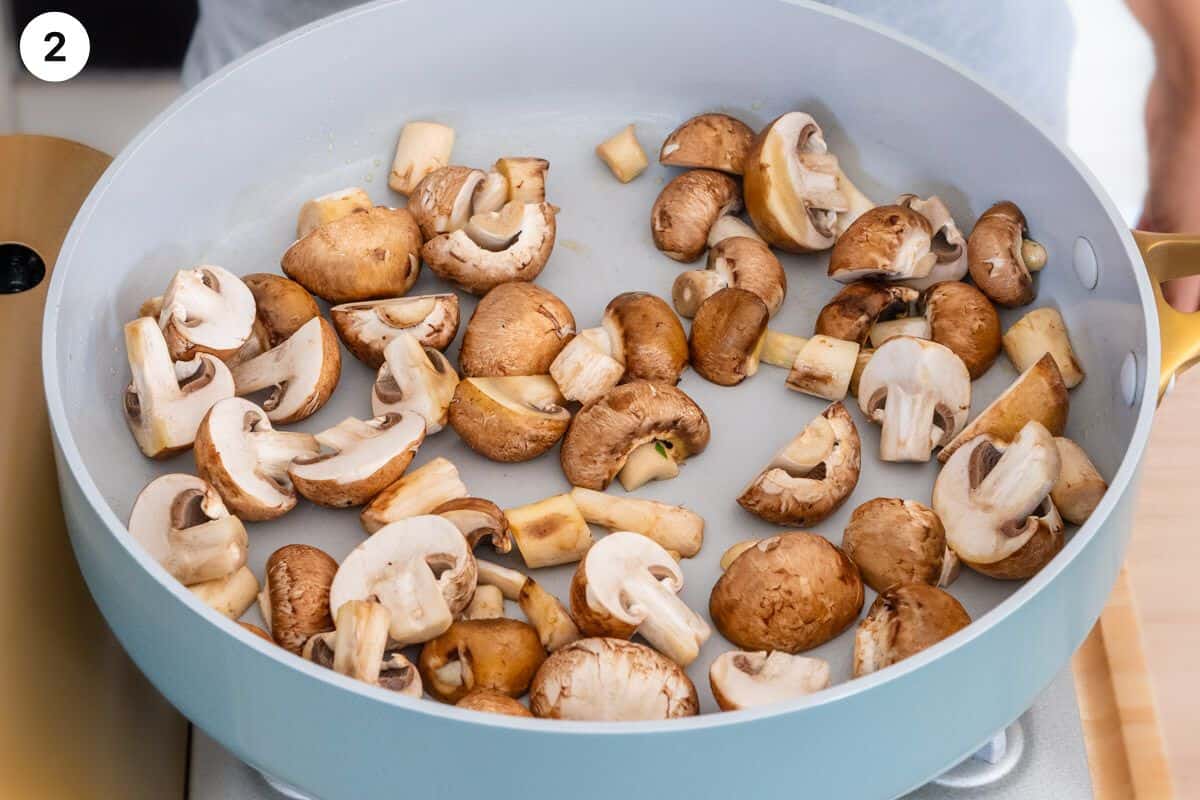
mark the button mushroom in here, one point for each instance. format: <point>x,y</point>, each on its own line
<point>749,680</point>
<point>549,532</point>
<point>859,306</point>
<point>726,336</point>
<point>1039,332</point>
<point>887,243</point>
<point>611,680</point>
<point>687,208</point>
<point>477,519</point>
<point>419,568</point>
<point>710,141</point>
<point>640,430</point>
<point>811,476</point>
<point>791,592</point>
<point>165,402</point>
<point>486,603</point>
<point>295,595</point>
<point>902,622</point>
<point>963,319</point>
<point>328,207</point>
<point>301,373</point>
<point>501,655</point>
<point>206,310</point>
<point>414,379</point>
<point>418,492</point>
<point>509,419</point>
<point>367,328</point>
<point>1080,486</point>
<point>920,392</point>
<point>363,459</point>
<point>949,246</point>
<point>512,244</point>
<point>493,703</point>
<point>281,306</point>
<point>736,261</point>
<point>894,542</point>
<point>183,525</point>
<point>996,256</point>
<point>673,527</point>
<point>517,329</point>
<point>994,500</point>
<point>526,178</point>
<point>623,154</point>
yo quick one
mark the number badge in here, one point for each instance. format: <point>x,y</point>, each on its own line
<point>55,46</point>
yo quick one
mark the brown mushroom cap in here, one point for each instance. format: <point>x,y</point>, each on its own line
<point>603,434</point>
<point>517,329</point>
<point>298,577</point>
<point>442,201</point>
<point>791,592</point>
<point>477,519</point>
<point>361,256</point>
<point>994,256</point>
<point>499,654</point>
<point>904,621</point>
<point>877,242</point>
<point>752,266</point>
<point>858,306</point>
<point>895,542</point>
<point>711,141</point>
<point>650,337</point>
<point>493,703</point>
<point>686,209</point>
<point>508,424</point>
<point>963,319</point>
<point>281,305</point>
<point>725,336</point>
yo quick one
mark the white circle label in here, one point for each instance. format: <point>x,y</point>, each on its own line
<point>55,46</point>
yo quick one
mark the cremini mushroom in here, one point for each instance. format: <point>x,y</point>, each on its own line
<point>183,525</point>
<point>360,649</point>
<point>516,329</point>
<point>525,176</point>
<point>545,612</point>
<point>497,654</point>
<point>1080,486</point>
<point>727,333</point>
<point>735,261</point>
<point>495,247</point>
<point>994,500</point>
<point>894,542</point>
<point>550,531</point>
<point>360,460</point>
<point>422,148</point>
<point>281,306</point>
<point>823,367</point>
<point>709,141</point>
<point>1039,332</point>
<point>512,418</point>
<point>207,309</point>
<point>811,476</point>
<point>295,594</point>
<point>859,306</point>
<point>328,207</point>
<point>902,622</point>
<point>687,208</point>
<point>240,453</point>
<point>996,255</point>
<point>949,246</point>
<point>486,603</point>
<point>920,392</point>
<point>606,679</point>
<point>366,328</point>
<point>445,199</point>
<point>790,592</point>
<point>641,431</point>
<point>414,379</point>
<point>728,226</point>
<point>623,154</point>
<point>748,680</point>
<point>963,319</point>
<point>165,402</point>
<point>417,492</point>
<point>493,703</point>
<point>419,568</point>
<point>886,243</point>
<point>477,519</point>
<point>674,527</point>
<point>231,595</point>
<point>301,373</point>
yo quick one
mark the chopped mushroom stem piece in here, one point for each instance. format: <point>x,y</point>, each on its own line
<point>508,581</point>
<point>295,594</point>
<point>418,492</point>
<point>301,373</point>
<point>360,640</point>
<point>735,550</point>
<point>711,141</point>
<point>823,367</point>
<point>673,527</point>
<point>526,178</point>
<point>902,622</point>
<point>586,369</point>
<point>366,328</point>
<point>688,207</point>
<point>364,458</point>
<point>414,379</point>
<point>886,243</point>
<point>1080,486</point>
<point>231,595</point>
<point>422,148</point>
<point>780,349</point>
<point>652,461</point>
<point>860,364</point>
<point>328,207</point>
<point>747,680</point>
<point>509,419</point>
<point>550,531</point>
<point>548,616</point>
<point>488,603</point>
<point>206,310</point>
<point>623,154</point>
<point>1039,332</point>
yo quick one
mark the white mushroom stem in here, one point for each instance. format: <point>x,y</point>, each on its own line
<point>231,595</point>
<point>728,226</point>
<point>917,327</point>
<point>526,178</point>
<point>781,349</point>
<point>909,433</point>
<point>508,581</point>
<point>548,616</point>
<point>1080,486</point>
<point>418,492</point>
<point>549,532</point>
<point>651,461</point>
<point>587,368</point>
<point>362,635</point>
<point>1033,254</point>
<point>693,287</point>
<point>277,449</point>
<point>623,155</point>
<point>823,367</point>
<point>488,603</point>
<point>422,148</point>
<point>346,434</point>
<point>1039,332</point>
<point>673,527</point>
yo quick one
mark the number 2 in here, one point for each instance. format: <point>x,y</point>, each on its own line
<point>59,40</point>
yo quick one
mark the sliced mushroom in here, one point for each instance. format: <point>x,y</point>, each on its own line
<point>477,519</point>
<point>857,307</point>
<point>549,532</point>
<point>736,261</point>
<point>915,327</point>
<point>525,177</point>
<point>687,208</point>
<point>414,494</point>
<point>231,595</point>
<point>823,367</point>
<point>422,148</point>
<point>281,306</point>
<point>328,207</point>
<point>444,200</point>
<point>516,329</point>
<point>493,703</point>
<point>301,373</point>
<point>673,527</point>
<point>247,460</point>
<point>587,368</point>
<point>811,476</point>
<point>726,336</point>
<point>497,654</point>
<point>183,525</point>
<point>367,328</point>
<point>611,680</point>
<point>1039,332</point>
<point>996,256</point>
<point>710,141</point>
<point>948,244</point>
<point>165,402</point>
<point>895,542</point>
<point>729,226</point>
<point>647,337</point>
<point>419,568</point>
<point>902,622</point>
<point>543,610</point>
<point>886,243</point>
<point>920,392</point>
<point>364,458</point>
<point>360,639</point>
<point>414,379</point>
<point>641,430</point>
<point>514,418</point>
<point>749,680</point>
<point>206,310</point>
<point>1080,486</point>
<point>963,319</point>
<point>623,154</point>
<point>295,594</point>
<point>494,250</point>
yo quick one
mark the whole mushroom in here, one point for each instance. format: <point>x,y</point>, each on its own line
<point>902,622</point>
<point>687,208</point>
<point>517,329</point>
<point>895,542</point>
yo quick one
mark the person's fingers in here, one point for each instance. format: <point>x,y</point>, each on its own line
<point>1183,293</point>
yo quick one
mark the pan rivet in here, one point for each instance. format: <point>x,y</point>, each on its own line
<point>1129,379</point>
<point>1086,267</point>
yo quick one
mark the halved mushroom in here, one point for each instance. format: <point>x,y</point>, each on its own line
<point>963,319</point>
<point>994,500</point>
<point>422,148</point>
<point>419,568</point>
<point>206,310</point>
<point>493,703</point>
<point>367,328</point>
<point>628,584</point>
<point>419,492</point>
<point>328,207</point>
<point>512,244</point>
<point>526,178</point>
<point>1039,332</point>
<point>859,306</point>
<point>165,402</point>
<point>710,141</point>
<point>514,418</point>
<point>895,542</point>
<point>797,195</point>
<point>477,519</point>
<point>360,649</point>
<point>281,306</point>
<point>295,596</point>
<point>641,430</point>
<point>886,243</point>
<point>673,527</point>
<point>1080,486</point>
<point>183,525</point>
<point>729,226</point>
<point>748,680</point>
<point>647,337</point>
<point>549,532</point>
<point>623,154</point>
<point>247,460</point>
<point>791,592</point>
<point>497,654</point>
<point>823,367</point>
<point>902,622</point>
<point>361,256</point>
<point>301,373</point>
<point>687,208</point>
<point>229,596</point>
<point>949,246</point>
<point>811,476</point>
<point>516,329</point>
<point>414,379</point>
<point>920,392</point>
<point>445,199</point>
<point>365,457</point>
<point>727,334</point>
<point>996,255</point>
<point>736,261</point>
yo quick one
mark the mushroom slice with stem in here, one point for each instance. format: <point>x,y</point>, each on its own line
<point>902,622</point>
<point>414,379</point>
<point>920,392</point>
<point>687,208</point>
<point>165,402</point>
<point>365,457</point>
<point>516,329</point>
<point>419,568</point>
<point>328,207</point>
<point>414,494</point>
<point>709,141</point>
<point>295,596</point>
<point>514,418</point>
<point>647,337</point>
<point>281,306</point>
<point>422,148</point>
<point>445,199</point>
<point>963,319</point>
<point>494,248</point>
<point>811,476</point>
<point>491,702</point>
<point>182,523</point>
<point>497,654</point>
<point>549,532</point>
<point>301,373</point>
<point>1001,257</point>
<point>886,243</point>
<point>206,310</point>
<point>367,328</point>
<point>627,584</point>
<point>739,262</point>
<point>894,542</point>
<point>823,367</point>
<point>747,680</point>
<point>231,595</point>
<point>247,460</point>
<point>623,154</point>
<point>856,309</point>
<point>672,527</point>
<point>477,519</point>
<point>727,335</point>
<point>586,369</point>
<point>640,430</point>
<point>949,246</point>
<point>1080,486</point>
<point>525,176</point>
<point>994,500</point>
<point>1039,332</point>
